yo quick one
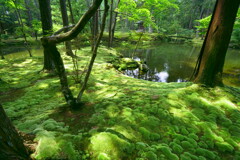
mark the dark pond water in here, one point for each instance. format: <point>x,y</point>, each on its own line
<point>175,63</point>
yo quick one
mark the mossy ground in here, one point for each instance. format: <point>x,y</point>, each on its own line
<point>123,118</point>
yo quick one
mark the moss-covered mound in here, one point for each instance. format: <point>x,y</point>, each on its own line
<point>123,118</point>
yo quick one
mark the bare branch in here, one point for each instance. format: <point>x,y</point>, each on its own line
<point>62,29</point>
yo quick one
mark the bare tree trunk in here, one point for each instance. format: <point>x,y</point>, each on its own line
<point>210,63</point>
<point>71,12</point>
<point>20,21</point>
<point>110,25</point>
<point>66,23</point>
<point>79,97</point>
<point>47,29</point>
<point>50,42</point>
<point>12,147</point>
<point>114,24</point>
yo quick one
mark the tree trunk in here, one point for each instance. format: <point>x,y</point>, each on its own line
<point>212,55</point>
<point>71,12</point>
<point>110,25</point>
<point>49,44</point>
<point>94,52</point>
<point>65,23</point>
<point>114,24</point>
<point>12,147</point>
<point>20,21</point>
<point>47,29</point>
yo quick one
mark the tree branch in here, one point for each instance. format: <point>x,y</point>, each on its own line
<point>77,28</point>
<point>62,29</point>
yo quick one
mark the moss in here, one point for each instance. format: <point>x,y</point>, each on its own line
<point>224,147</point>
<point>145,133</point>
<point>186,145</point>
<point>141,146</point>
<point>47,146</point>
<point>205,153</point>
<point>110,144</point>
<point>103,156</point>
<point>193,136</point>
<point>154,136</point>
<point>176,148</point>
<point>68,150</point>
<point>151,156</point>
<point>168,153</point>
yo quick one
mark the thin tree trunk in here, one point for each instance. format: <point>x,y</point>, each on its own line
<point>110,25</point>
<point>26,44</point>
<point>212,55</point>
<point>79,97</point>
<point>71,12</point>
<point>50,42</point>
<point>114,24</point>
<point>66,23</point>
<point>12,147</point>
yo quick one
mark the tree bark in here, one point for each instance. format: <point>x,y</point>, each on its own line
<point>110,25</point>
<point>20,21</point>
<point>49,44</point>
<point>94,52</point>
<point>210,63</point>
<point>47,29</point>
<point>71,12</point>
<point>12,147</point>
<point>65,23</point>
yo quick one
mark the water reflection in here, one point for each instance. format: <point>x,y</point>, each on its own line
<point>175,63</point>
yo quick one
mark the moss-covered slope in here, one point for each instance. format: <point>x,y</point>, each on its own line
<point>123,118</point>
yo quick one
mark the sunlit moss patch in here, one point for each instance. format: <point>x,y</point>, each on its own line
<point>122,118</point>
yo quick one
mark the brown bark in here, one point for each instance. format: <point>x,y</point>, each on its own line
<point>212,55</point>
<point>78,27</point>
<point>47,29</point>
<point>71,12</point>
<point>49,44</point>
<point>110,25</point>
<point>12,147</point>
<point>94,52</point>
<point>66,23</point>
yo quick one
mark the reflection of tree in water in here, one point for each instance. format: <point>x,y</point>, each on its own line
<point>163,66</point>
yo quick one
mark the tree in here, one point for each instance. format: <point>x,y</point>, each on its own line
<point>11,143</point>
<point>22,27</point>
<point>65,23</point>
<point>47,29</point>
<point>49,44</point>
<point>210,62</point>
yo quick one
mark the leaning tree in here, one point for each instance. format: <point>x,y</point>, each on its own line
<point>210,62</point>
<point>49,45</point>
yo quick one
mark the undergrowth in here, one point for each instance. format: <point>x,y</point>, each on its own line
<point>124,118</point>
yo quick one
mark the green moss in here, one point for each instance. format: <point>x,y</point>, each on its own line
<point>151,156</point>
<point>193,136</point>
<point>186,145</point>
<point>141,146</point>
<point>224,147</point>
<point>110,144</point>
<point>145,133</point>
<point>103,156</point>
<point>176,148</point>
<point>68,150</point>
<point>47,146</point>
<point>168,153</point>
<point>205,153</point>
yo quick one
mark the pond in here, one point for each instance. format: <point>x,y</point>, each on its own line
<point>166,62</point>
<point>175,63</point>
